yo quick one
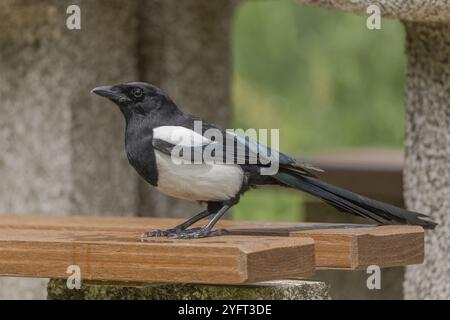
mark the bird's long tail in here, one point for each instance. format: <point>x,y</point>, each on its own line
<point>353,203</point>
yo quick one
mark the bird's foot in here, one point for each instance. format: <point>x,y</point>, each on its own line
<point>177,233</point>
<point>161,233</point>
<point>196,233</point>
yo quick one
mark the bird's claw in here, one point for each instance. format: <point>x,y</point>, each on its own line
<point>160,233</point>
<point>193,233</point>
<point>197,233</point>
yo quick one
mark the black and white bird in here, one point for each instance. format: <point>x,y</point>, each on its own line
<point>156,127</point>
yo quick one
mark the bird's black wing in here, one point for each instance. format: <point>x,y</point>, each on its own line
<point>189,146</point>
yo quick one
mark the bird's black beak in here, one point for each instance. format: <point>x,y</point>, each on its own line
<point>111,92</point>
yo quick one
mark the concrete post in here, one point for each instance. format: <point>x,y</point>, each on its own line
<point>62,149</point>
<point>185,48</point>
<point>427,140</point>
<point>427,146</point>
<point>270,290</point>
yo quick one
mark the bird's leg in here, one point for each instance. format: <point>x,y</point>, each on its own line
<point>206,230</point>
<point>181,227</point>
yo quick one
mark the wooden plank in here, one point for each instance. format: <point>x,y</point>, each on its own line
<point>353,248</point>
<point>39,251</point>
<point>336,247</point>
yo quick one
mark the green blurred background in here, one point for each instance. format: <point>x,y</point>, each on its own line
<point>322,78</point>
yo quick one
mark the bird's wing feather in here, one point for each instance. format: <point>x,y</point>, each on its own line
<point>255,151</point>
<point>185,143</point>
<point>190,146</point>
<point>178,135</point>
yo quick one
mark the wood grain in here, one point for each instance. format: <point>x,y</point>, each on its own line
<point>337,246</point>
<point>354,247</point>
<point>37,250</point>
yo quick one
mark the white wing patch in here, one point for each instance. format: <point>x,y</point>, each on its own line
<point>177,135</point>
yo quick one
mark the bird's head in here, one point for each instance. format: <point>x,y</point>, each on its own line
<point>134,98</point>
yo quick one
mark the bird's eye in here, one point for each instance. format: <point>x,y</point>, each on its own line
<point>137,92</point>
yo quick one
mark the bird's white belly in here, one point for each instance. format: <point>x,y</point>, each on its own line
<point>202,182</point>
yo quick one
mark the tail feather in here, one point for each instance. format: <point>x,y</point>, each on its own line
<point>353,203</point>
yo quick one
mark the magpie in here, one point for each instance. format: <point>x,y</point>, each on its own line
<point>155,130</point>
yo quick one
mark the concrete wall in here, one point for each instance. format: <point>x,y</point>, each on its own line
<point>62,148</point>
<point>186,50</point>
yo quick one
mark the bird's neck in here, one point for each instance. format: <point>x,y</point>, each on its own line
<point>139,126</point>
<point>137,129</point>
<point>139,149</point>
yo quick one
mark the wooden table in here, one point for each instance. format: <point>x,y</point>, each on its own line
<point>109,248</point>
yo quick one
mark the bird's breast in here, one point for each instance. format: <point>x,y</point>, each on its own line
<point>142,157</point>
<point>200,182</point>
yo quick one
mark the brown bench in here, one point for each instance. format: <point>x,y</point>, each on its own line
<point>373,172</point>
<point>109,249</point>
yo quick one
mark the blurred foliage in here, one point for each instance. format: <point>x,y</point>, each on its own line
<point>321,77</point>
<point>269,203</point>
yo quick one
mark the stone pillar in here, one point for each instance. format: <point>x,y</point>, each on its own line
<point>62,148</point>
<point>185,49</point>
<point>427,139</point>
<point>427,147</point>
<point>270,290</point>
